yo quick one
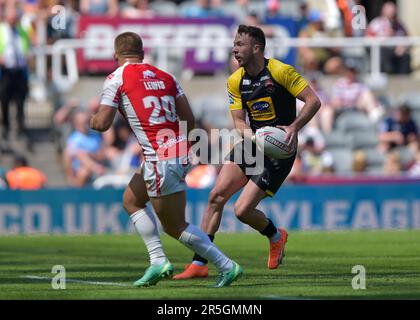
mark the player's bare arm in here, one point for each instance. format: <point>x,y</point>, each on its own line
<point>239,121</point>
<point>184,112</point>
<point>102,120</point>
<point>310,108</point>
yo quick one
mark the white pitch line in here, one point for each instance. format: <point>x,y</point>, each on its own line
<point>276,297</point>
<point>79,281</point>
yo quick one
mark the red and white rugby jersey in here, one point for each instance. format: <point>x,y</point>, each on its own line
<point>145,95</point>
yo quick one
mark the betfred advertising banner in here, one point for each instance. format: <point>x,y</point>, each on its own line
<point>203,59</point>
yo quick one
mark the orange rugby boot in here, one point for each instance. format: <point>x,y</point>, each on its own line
<point>277,250</point>
<point>193,271</point>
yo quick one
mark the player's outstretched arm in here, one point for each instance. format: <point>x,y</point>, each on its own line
<point>102,120</point>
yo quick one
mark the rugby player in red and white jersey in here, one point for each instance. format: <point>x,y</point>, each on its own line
<point>153,103</point>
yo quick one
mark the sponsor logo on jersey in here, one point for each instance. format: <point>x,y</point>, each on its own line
<point>261,106</point>
<point>261,109</point>
<point>171,141</point>
<point>149,74</point>
<point>246,82</point>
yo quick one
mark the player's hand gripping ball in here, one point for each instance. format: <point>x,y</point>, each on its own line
<point>271,141</point>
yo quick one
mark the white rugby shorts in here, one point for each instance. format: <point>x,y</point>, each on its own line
<point>165,177</point>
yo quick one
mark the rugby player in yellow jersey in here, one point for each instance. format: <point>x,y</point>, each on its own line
<point>265,90</point>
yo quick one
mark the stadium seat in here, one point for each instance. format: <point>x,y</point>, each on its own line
<point>342,159</point>
<point>386,101</point>
<point>258,6</point>
<point>406,155</point>
<point>352,120</point>
<point>374,157</point>
<point>416,116</point>
<point>289,8</point>
<point>366,138</point>
<point>374,169</point>
<point>357,56</point>
<point>413,100</point>
<point>230,8</point>
<point>337,139</point>
<point>164,8</point>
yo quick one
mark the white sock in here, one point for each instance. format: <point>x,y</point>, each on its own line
<point>195,239</point>
<point>145,224</point>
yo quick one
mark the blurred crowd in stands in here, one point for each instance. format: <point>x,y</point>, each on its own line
<point>356,131</point>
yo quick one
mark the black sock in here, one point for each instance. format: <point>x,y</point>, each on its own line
<point>197,257</point>
<point>270,230</point>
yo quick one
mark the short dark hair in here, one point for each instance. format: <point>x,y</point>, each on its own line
<point>405,109</point>
<point>255,33</point>
<point>128,44</point>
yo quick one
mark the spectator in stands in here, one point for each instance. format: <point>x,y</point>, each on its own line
<point>349,93</point>
<point>312,132</point>
<point>359,162</point>
<point>395,60</point>
<point>252,19</point>
<point>239,9</point>
<point>327,161</point>
<point>63,118</point>
<point>24,177</point>
<point>121,148</point>
<point>70,27</point>
<point>303,20</point>
<point>99,7</point>
<point>137,9</point>
<point>217,8</point>
<point>392,164</point>
<point>203,9</point>
<point>272,8</point>
<point>313,157</point>
<point>327,60</point>
<point>347,12</point>
<point>324,118</point>
<point>399,130</point>
<point>83,157</point>
<point>15,48</point>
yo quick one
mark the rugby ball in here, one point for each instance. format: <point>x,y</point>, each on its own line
<point>271,141</point>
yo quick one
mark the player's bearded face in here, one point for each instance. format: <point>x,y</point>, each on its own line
<point>242,49</point>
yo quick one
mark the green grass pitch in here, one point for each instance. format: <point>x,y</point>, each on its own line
<point>318,265</point>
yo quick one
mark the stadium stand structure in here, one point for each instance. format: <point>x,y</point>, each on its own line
<point>351,132</point>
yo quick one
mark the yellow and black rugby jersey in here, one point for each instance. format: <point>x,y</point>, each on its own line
<point>270,97</point>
